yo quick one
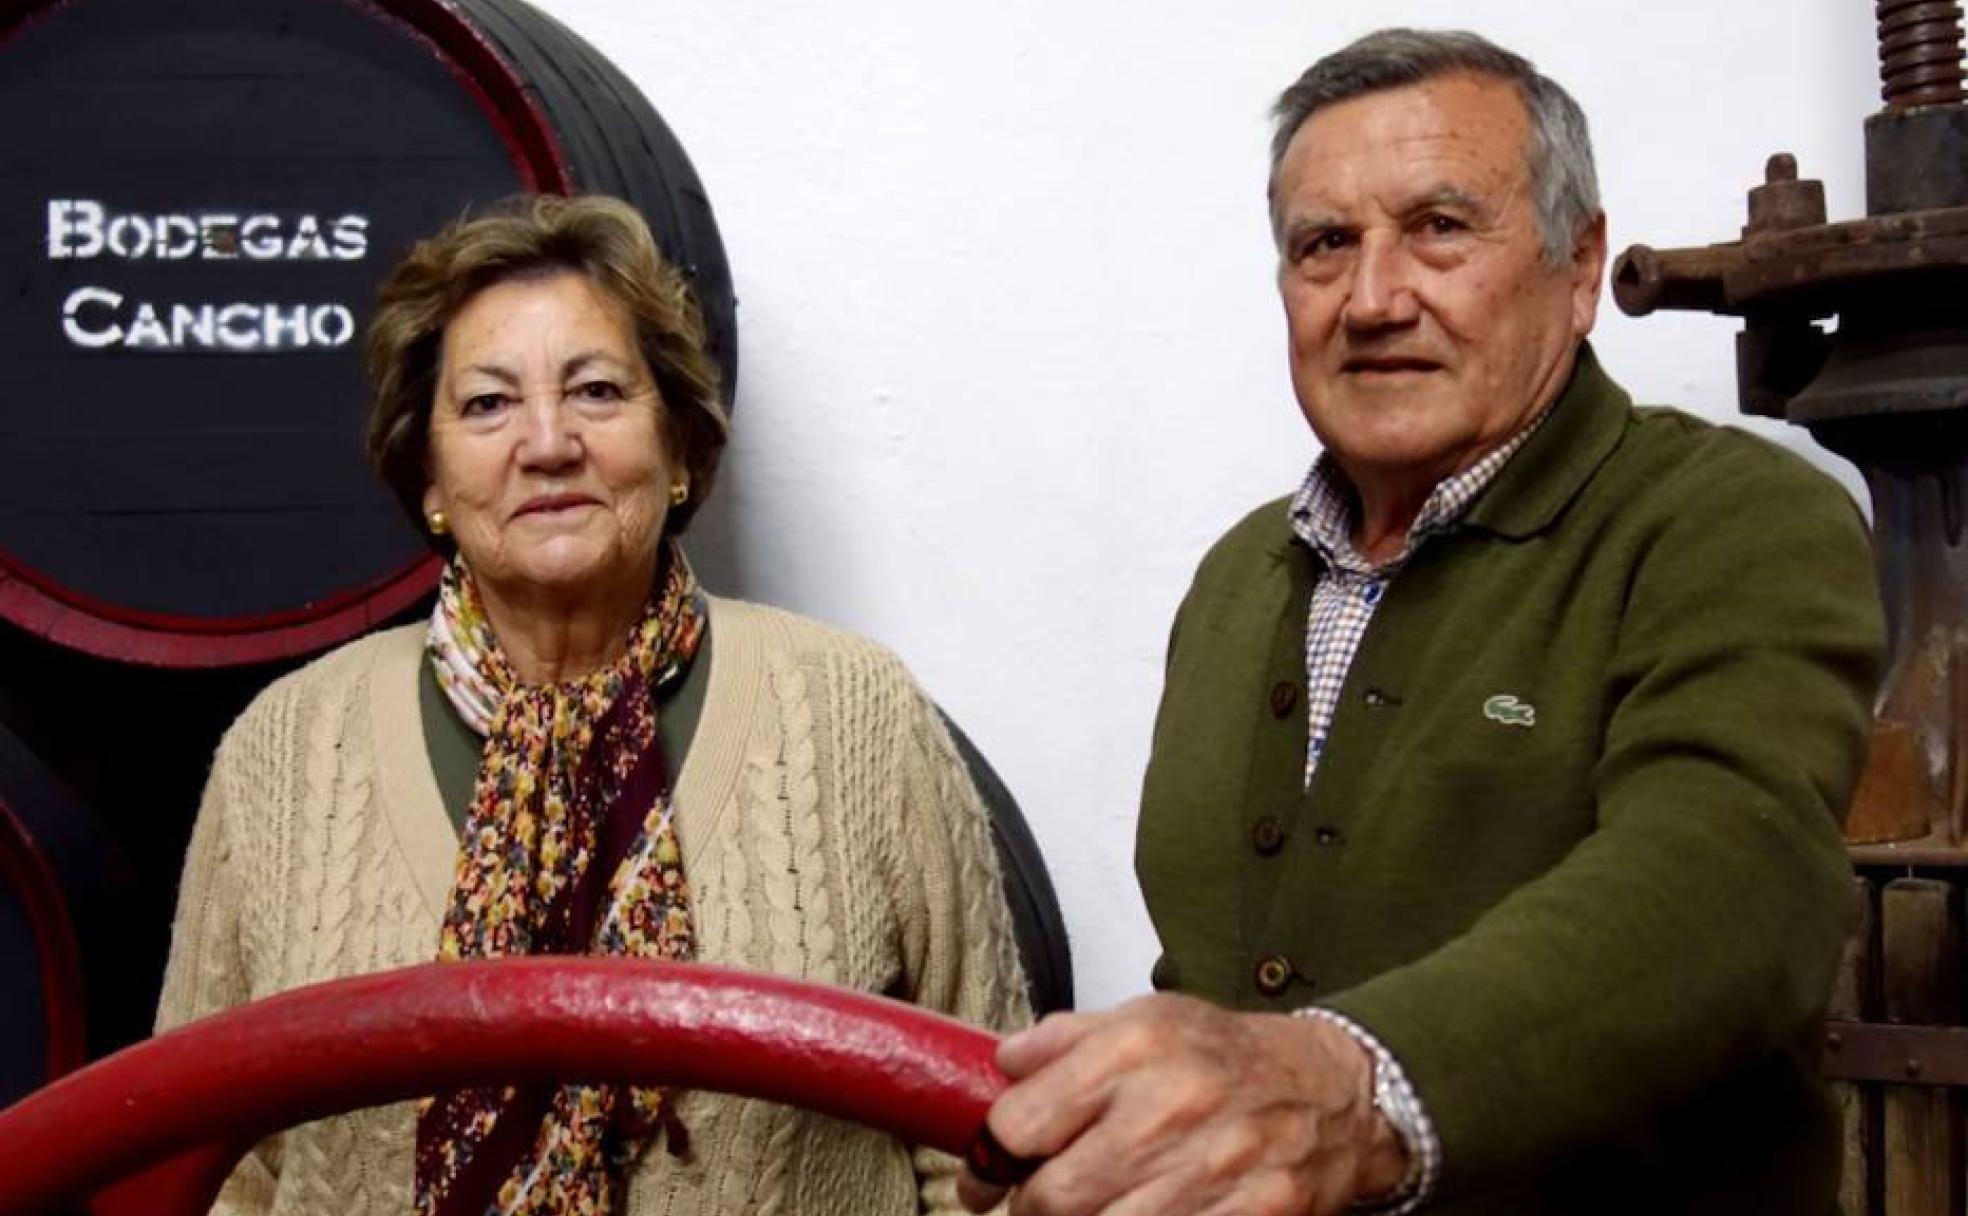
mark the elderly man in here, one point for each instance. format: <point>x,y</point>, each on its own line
<point>1491,829</point>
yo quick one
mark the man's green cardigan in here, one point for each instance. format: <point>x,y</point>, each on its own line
<point>1572,851</point>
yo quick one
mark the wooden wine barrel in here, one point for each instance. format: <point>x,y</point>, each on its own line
<point>201,198</point>
<point>63,936</point>
<point>1044,950</point>
<point>41,1010</point>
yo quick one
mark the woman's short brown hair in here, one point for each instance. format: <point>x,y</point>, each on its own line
<point>600,237</point>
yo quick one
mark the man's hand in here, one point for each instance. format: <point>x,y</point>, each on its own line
<point>1168,1105</point>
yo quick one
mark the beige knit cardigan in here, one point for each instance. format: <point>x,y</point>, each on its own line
<point>829,832</point>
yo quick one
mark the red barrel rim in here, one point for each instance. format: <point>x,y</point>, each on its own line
<point>69,618</point>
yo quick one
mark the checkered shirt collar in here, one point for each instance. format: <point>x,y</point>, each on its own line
<point>1322,510</point>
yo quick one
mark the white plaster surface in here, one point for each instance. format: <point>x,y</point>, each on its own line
<point>1012,357</point>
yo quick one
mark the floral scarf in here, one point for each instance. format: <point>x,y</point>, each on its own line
<point>568,848</point>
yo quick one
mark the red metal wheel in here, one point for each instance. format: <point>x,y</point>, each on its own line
<point>165,1120</point>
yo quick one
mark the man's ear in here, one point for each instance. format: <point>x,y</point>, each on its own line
<point>1588,268</point>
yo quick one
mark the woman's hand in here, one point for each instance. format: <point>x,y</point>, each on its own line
<point>1172,1105</point>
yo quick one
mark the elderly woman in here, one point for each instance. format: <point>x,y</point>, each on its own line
<point>582,752</point>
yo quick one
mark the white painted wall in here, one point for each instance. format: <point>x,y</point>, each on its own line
<point>1012,357</point>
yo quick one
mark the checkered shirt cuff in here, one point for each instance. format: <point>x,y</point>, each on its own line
<point>1395,1098</point>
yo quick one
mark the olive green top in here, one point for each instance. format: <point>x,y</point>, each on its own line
<point>1573,850</point>
<point>455,748</point>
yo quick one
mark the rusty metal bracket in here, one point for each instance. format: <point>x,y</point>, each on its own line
<point>1805,270</point>
<point>1895,280</point>
<point>1896,1055</point>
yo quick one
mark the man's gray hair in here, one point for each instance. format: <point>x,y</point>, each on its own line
<point>1564,185</point>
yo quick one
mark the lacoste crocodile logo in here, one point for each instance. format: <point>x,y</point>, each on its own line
<point>1510,711</point>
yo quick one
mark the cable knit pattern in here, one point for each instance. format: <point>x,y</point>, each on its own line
<point>826,821</point>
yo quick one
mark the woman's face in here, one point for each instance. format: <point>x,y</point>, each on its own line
<point>546,450</point>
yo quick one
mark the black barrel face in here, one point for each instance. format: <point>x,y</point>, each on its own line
<point>65,931</point>
<point>27,1058</point>
<point>201,197</point>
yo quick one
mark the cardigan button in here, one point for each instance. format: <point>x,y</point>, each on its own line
<point>1284,696</point>
<point>1267,836</point>
<point>1273,974</point>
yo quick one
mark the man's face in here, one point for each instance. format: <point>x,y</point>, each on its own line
<point>1425,327</point>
